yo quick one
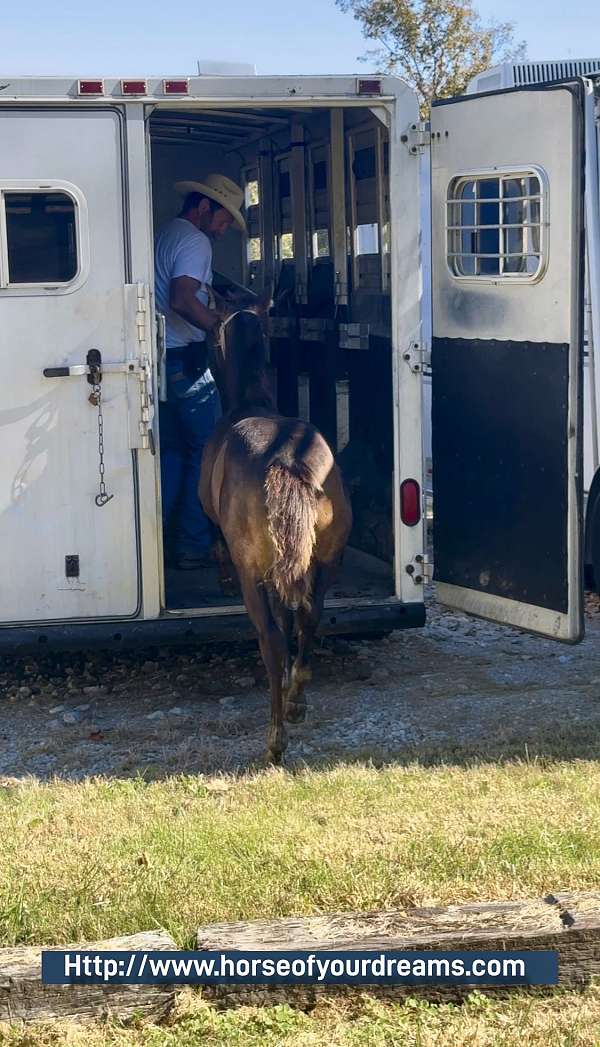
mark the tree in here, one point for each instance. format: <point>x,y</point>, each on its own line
<point>436,45</point>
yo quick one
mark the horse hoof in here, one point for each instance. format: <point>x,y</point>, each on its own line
<point>295,713</point>
<point>273,758</point>
<point>276,744</point>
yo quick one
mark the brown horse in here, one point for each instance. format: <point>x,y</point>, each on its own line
<point>271,486</point>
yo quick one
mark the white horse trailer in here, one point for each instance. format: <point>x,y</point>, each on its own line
<point>331,170</point>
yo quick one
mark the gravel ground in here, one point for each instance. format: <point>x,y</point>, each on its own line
<point>458,689</point>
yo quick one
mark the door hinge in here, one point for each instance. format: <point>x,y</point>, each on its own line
<point>417,138</point>
<point>418,358</point>
<point>420,569</point>
<point>141,315</point>
<point>145,368</point>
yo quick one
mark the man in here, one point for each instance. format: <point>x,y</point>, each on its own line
<point>183,264</point>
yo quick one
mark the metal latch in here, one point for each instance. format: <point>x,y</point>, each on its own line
<point>313,329</point>
<point>125,367</point>
<point>418,358</point>
<point>354,336</point>
<point>161,352</point>
<point>417,138</point>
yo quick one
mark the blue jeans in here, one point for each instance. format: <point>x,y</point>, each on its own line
<point>187,420</point>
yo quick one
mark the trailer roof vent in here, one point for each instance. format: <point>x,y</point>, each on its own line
<point>523,74</point>
<point>543,72</point>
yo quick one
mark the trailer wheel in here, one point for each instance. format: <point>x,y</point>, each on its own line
<point>591,561</point>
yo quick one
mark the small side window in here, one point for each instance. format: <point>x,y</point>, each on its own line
<point>495,225</point>
<point>40,234</point>
<point>252,197</point>
<point>320,243</point>
<point>366,239</point>
<point>253,249</point>
<point>286,246</point>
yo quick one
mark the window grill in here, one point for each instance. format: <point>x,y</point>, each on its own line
<point>495,225</point>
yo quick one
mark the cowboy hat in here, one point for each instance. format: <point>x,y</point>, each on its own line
<point>223,190</point>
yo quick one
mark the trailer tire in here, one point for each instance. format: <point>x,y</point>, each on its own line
<point>591,546</point>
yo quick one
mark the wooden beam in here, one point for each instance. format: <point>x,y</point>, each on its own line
<point>566,922</point>
<point>24,998</point>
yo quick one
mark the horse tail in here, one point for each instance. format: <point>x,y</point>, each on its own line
<point>291,500</point>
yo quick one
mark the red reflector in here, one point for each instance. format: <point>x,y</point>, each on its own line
<point>410,502</point>
<point>176,87</point>
<point>133,87</point>
<point>368,87</point>
<point>90,87</point>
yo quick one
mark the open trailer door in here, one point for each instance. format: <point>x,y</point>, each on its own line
<point>507,258</point>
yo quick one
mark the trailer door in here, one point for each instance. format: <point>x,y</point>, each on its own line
<point>507,230</point>
<point>66,552</point>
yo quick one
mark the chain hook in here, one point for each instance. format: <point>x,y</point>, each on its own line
<point>95,399</point>
<point>102,499</point>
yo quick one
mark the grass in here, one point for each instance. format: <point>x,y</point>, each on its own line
<point>561,1020</point>
<point>85,861</point>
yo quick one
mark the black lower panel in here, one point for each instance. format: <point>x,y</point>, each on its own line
<point>500,468</point>
<point>361,619</point>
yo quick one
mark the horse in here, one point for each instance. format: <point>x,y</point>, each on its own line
<point>272,489</point>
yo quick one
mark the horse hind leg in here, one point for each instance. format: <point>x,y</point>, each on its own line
<point>228,579</point>
<point>284,618</point>
<point>308,618</point>
<point>274,651</point>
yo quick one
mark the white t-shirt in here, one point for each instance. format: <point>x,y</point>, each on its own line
<point>181,250</point>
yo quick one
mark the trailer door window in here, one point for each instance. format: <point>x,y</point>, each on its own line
<point>40,238</point>
<point>495,226</point>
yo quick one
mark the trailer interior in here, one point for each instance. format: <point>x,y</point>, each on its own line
<point>316,185</point>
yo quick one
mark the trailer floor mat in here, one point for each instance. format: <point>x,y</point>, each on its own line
<point>362,576</point>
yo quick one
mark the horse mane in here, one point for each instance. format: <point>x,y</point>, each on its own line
<point>246,344</point>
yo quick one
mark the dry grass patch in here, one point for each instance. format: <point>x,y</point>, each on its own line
<point>91,860</point>
<point>95,859</point>
<point>561,1020</point>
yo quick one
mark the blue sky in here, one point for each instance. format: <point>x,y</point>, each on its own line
<point>129,37</point>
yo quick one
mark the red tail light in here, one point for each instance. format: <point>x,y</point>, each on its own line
<point>176,87</point>
<point>90,87</point>
<point>410,502</point>
<point>133,87</point>
<point>368,87</point>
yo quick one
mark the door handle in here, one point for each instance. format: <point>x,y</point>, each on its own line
<point>125,367</point>
<point>66,372</point>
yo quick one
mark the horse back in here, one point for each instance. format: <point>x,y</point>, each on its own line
<point>234,473</point>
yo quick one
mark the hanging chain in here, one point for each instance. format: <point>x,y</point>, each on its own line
<point>95,399</point>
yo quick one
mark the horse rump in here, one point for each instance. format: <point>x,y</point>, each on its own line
<point>292,505</point>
